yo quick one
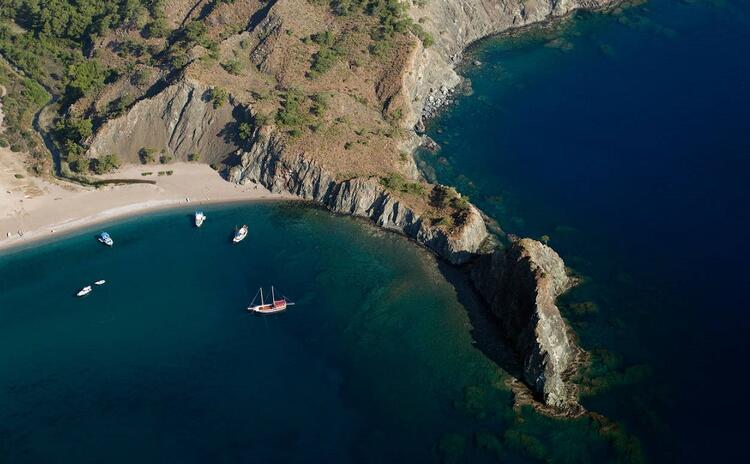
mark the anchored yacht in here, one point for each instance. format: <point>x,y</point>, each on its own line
<point>274,306</point>
<point>199,218</point>
<point>240,234</point>
<point>84,291</point>
<point>106,239</point>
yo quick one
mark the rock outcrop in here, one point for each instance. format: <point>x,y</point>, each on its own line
<point>181,119</point>
<point>520,286</point>
<point>267,164</point>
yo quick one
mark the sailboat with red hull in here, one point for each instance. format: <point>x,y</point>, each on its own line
<point>275,306</point>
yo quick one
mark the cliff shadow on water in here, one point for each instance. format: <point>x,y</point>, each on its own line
<point>486,333</point>
<point>529,426</point>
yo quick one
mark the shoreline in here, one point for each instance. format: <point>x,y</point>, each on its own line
<point>63,231</point>
<point>34,210</point>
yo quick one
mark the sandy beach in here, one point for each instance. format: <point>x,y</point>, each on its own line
<point>36,209</point>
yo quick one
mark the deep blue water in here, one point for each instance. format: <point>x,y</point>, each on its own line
<point>624,138</point>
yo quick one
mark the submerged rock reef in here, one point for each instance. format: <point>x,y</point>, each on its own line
<point>519,283</point>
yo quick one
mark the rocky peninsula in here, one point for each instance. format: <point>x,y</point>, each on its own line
<point>326,101</point>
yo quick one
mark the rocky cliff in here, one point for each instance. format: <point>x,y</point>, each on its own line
<point>266,163</point>
<point>520,286</point>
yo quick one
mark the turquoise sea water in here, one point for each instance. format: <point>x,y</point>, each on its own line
<point>375,363</point>
<point>162,363</point>
<point>623,137</point>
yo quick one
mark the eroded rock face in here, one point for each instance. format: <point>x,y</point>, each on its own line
<point>181,120</point>
<point>266,164</point>
<point>520,285</point>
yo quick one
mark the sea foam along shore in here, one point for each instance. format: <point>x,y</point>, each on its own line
<point>33,209</point>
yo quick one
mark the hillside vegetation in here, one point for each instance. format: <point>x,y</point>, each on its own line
<point>327,73</point>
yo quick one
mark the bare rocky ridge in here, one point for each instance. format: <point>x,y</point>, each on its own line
<point>519,284</point>
<point>181,120</point>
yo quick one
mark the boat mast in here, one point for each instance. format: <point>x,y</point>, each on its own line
<point>261,296</point>
<point>273,297</point>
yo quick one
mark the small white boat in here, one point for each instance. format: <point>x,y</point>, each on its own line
<point>275,306</point>
<point>100,282</point>
<point>84,291</point>
<point>240,234</point>
<point>105,239</point>
<point>199,218</point>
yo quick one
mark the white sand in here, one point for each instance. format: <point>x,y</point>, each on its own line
<point>40,209</point>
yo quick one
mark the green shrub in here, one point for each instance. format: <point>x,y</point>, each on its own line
<point>233,67</point>
<point>147,155</point>
<point>319,104</point>
<point>245,131</point>
<point>140,77</point>
<point>290,113</point>
<point>119,105</point>
<point>322,61</point>
<point>218,96</point>
<point>324,38</point>
<point>396,183</point>
<point>164,159</point>
<point>156,29</point>
<point>105,164</point>
<point>392,19</point>
<point>3,143</point>
<point>79,165</point>
<point>447,197</point>
<point>85,78</point>
<point>194,157</point>
<point>74,129</point>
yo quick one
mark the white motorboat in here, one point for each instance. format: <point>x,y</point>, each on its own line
<point>199,218</point>
<point>84,291</point>
<point>106,239</point>
<point>240,234</point>
<point>100,282</point>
